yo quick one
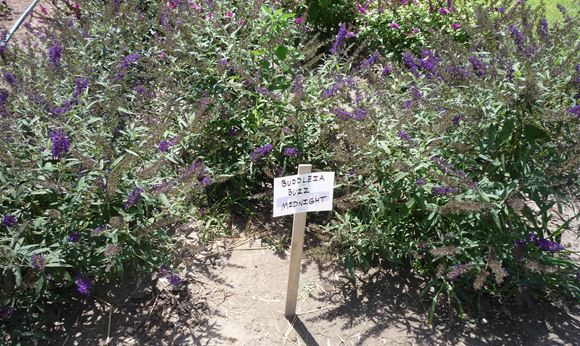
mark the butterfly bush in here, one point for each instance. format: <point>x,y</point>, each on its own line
<point>450,147</point>
<point>468,146</point>
<point>121,128</point>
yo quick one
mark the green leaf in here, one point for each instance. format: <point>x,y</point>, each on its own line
<point>17,276</point>
<point>132,152</point>
<point>164,200</point>
<point>124,110</point>
<point>38,286</point>
<point>533,133</point>
<point>281,52</point>
<point>506,132</point>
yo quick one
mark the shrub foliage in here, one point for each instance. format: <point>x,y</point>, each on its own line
<point>126,122</point>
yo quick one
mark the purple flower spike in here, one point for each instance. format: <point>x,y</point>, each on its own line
<point>402,134</point>
<point>291,151</point>
<point>575,110</point>
<point>74,237</point>
<point>479,67</point>
<point>339,40</point>
<point>38,261</point>
<point>83,285</point>
<point>6,312</point>
<point>9,220</point>
<point>205,180</point>
<point>165,145</point>
<point>260,152</point>
<point>548,245</point>
<point>60,144</point>
<point>444,190</point>
<point>387,71</point>
<point>55,55</point>
<point>175,280</point>
<point>133,197</point>
<point>458,270</point>
<point>10,78</point>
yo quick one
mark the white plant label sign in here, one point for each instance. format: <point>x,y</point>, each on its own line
<point>303,193</point>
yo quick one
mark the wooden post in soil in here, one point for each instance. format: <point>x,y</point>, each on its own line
<point>298,227</point>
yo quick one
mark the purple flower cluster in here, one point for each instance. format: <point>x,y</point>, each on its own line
<point>165,145</point>
<point>125,64</point>
<point>409,61</point>
<point>55,55</point>
<point>142,90</point>
<point>10,78</point>
<point>336,87</point>
<point>456,72</point>
<point>291,151</point>
<point>517,36</point>
<point>38,261</point>
<point>174,280</point>
<point>402,134</point>
<point>83,284</point>
<point>339,40</point>
<point>9,220</point>
<point>261,152</point>
<point>457,119</point>
<point>359,114</point>
<point>541,242</point>
<point>81,85</point>
<point>479,67</point>
<point>297,87</point>
<point>458,271</point>
<point>387,70</point>
<point>74,237</point>
<point>232,131</point>
<point>133,197</point>
<point>421,182</point>
<point>204,180</point>
<point>370,61</point>
<point>98,230</point>
<point>6,312</point>
<point>428,62</point>
<point>444,190</point>
<point>575,110</point>
<point>543,29</point>
<point>116,5</point>
<point>60,144</point>
<point>3,97</point>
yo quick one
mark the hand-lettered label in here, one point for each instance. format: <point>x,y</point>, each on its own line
<point>303,193</point>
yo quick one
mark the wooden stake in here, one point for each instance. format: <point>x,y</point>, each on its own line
<point>298,227</point>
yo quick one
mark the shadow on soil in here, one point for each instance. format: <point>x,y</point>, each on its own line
<point>144,314</point>
<point>391,302</point>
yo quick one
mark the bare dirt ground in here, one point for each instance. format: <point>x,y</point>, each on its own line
<point>15,9</point>
<point>234,294</point>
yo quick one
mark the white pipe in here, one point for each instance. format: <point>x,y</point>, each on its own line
<point>18,23</point>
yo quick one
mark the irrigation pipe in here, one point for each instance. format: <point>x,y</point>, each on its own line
<point>18,23</point>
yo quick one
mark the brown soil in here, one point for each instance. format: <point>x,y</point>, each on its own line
<point>234,294</point>
<point>15,9</point>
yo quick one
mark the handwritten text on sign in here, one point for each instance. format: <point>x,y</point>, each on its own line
<point>303,193</point>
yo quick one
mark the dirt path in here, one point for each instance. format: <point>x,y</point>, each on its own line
<point>16,8</point>
<point>237,297</point>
